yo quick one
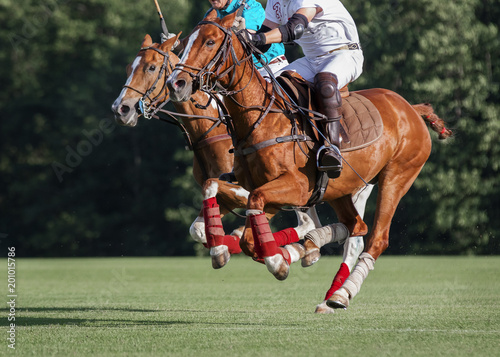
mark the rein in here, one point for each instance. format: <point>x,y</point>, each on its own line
<point>145,107</point>
<point>207,79</point>
<point>151,109</point>
<point>203,78</point>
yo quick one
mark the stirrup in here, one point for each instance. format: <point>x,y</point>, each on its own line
<point>329,159</point>
<point>228,176</point>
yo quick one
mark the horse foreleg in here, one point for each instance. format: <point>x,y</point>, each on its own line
<point>267,245</point>
<point>221,245</point>
<point>197,230</point>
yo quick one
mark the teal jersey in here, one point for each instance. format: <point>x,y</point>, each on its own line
<point>254,16</point>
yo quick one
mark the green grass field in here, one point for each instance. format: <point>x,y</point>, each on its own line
<point>408,306</point>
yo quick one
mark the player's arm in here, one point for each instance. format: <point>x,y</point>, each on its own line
<point>288,32</point>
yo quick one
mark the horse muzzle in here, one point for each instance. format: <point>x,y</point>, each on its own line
<point>180,87</point>
<point>125,112</point>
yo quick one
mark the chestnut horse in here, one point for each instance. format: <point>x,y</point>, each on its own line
<point>284,173</point>
<point>207,137</point>
<point>210,143</point>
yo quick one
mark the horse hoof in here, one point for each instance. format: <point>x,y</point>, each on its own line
<point>338,302</point>
<point>220,256</point>
<point>323,309</point>
<point>277,266</point>
<point>311,256</point>
<point>299,248</point>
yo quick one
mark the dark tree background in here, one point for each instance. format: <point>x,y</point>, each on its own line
<point>73,183</point>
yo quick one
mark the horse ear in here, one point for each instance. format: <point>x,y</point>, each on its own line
<point>147,41</point>
<point>228,20</point>
<point>212,15</point>
<point>169,44</point>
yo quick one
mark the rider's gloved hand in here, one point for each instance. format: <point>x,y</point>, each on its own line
<point>257,39</point>
<point>239,23</point>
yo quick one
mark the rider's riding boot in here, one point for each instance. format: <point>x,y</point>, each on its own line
<point>329,103</point>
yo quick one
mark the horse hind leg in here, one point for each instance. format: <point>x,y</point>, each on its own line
<point>307,221</point>
<point>351,225</point>
<point>392,188</point>
<point>353,247</point>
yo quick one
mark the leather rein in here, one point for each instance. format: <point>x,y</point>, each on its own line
<point>151,107</point>
<point>208,80</point>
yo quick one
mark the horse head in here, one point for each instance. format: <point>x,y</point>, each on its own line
<point>207,57</point>
<point>145,86</point>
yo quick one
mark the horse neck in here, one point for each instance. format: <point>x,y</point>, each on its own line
<point>249,90</point>
<point>196,127</point>
<point>212,157</point>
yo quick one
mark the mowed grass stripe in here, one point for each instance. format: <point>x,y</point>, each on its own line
<point>411,306</point>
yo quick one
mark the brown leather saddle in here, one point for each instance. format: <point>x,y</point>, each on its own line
<point>361,123</point>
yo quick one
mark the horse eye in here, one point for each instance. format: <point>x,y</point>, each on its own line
<point>210,43</point>
<point>152,68</point>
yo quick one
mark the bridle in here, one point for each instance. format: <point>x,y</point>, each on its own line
<point>151,108</point>
<point>147,105</point>
<point>207,78</point>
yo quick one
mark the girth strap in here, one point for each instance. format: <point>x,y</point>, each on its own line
<point>270,142</point>
<point>213,139</point>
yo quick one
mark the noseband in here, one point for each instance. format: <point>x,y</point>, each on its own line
<point>207,78</point>
<point>148,105</point>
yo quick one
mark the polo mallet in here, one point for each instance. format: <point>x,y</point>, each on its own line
<point>162,21</point>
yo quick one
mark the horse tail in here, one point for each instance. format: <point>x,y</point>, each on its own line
<point>437,124</point>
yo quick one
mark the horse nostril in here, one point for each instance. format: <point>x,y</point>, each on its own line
<point>124,109</point>
<point>180,83</point>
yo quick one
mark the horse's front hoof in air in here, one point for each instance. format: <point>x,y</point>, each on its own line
<point>311,255</point>
<point>277,266</point>
<point>220,256</point>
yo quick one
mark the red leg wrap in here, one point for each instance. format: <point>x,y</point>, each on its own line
<point>213,223</point>
<point>286,254</point>
<point>286,236</point>
<point>338,281</point>
<point>265,246</point>
<point>233,244</point>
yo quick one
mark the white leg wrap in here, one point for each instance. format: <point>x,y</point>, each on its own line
<point>253,212</point>
<point>273,263</point>
<point>211,190</point>
<point>294,254</point>
<point>343,292</point>
<point>306,224</point>
<point>197,230</point>
<point>237,232</point>
<point>336,232</point>
<point>218,250</point>
<point>311,212</point>
<point>359,274</point>
<point>353,247</point>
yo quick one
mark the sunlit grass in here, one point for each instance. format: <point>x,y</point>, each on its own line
<point>408,306</point>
